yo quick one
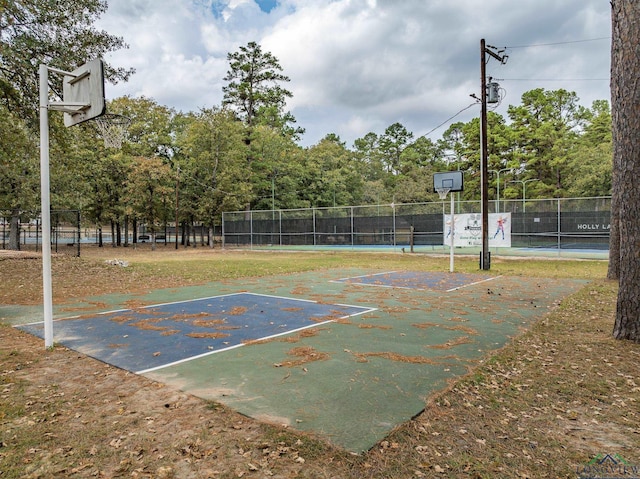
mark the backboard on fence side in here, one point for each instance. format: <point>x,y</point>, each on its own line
<point>450,180</point>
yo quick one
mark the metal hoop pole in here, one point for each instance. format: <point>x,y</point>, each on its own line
<point>45,206</point>
<point>453,232</point>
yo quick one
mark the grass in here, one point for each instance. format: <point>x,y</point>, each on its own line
<point>551,400</point>
<point>201,265</point>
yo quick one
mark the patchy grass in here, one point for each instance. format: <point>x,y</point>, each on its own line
<point>548,402</point>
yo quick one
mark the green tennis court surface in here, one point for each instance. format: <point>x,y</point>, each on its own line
<point>351,379</point>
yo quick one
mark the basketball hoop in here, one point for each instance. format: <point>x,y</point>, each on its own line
<point>443,192</point>
<point>113,129</point>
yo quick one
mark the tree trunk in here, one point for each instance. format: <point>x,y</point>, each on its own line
<point>14,230</point>
<point>118,233</point>
<point>613,271</point>
<point>625,98</point>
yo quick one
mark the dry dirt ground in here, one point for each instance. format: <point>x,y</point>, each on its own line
<point>543,407</point>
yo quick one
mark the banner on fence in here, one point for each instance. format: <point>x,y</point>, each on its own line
<point>468,230</point>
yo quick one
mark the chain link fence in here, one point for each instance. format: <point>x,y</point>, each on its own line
<point>565,223</point>
<point>24,231</point>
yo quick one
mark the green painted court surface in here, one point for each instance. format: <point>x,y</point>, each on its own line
<point>351,380</point>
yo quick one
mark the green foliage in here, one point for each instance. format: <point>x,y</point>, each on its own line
<point>253,90</point>
<point>59,34</point>
<point>212,175</point>
<point>151,131</point>
<point>330,177</point>
<point>19,167</point>
<point>150,190</point>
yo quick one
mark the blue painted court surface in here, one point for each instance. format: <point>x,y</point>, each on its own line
<point>444,282</point>
<point>152,337</point>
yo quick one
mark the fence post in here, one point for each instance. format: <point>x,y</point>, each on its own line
<point>221,230</point>
<point>79,231</point>
<point>352,232</point>
<point>559,226</point>
<point>393,213</point>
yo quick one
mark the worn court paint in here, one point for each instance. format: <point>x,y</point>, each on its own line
<point>152,337</point>
<point>373,371</point>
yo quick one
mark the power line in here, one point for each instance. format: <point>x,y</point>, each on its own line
<point>449,119</point>
<point>554,79</point>
<point>561,43</point>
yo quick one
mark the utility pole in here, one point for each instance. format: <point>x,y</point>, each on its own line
<point>485,255</point>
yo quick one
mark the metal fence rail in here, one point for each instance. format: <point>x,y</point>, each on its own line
<point>65,231</point>
<point>563,223</point>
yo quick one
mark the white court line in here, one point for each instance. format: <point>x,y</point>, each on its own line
<point>474,283</point>
<point>364,310</point>
<point>362,276</point>
<point>103,313</point>
<point>235,346</point>
<point>150,306</point>
<point>266,338</point>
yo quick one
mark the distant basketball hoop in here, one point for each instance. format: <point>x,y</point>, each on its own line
<point>112,128</point>
<point>444,183</point>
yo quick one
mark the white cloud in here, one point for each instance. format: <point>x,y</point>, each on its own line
<point>361,65</point>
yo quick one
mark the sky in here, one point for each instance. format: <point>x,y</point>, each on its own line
<point>359,66</point>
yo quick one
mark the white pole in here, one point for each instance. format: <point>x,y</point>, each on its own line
<point>453,229</point>
<point>45,207</point>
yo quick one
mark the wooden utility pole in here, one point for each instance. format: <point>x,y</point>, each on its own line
<point>485,255</point>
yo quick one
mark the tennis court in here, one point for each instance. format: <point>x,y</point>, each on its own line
<point>331,353</point>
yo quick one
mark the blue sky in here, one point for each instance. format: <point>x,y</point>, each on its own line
<point>358,66</point>
<point>267,5</point>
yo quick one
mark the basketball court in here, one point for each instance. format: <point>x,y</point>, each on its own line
<point>345,355</point>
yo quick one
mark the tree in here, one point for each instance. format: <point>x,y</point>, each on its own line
<point>151,131</point>
<point>107,179</point>
<point>418,161</point>
<point>589,165</point>
<point>149,188</point>
<point>59,34</point>
<point>330,175</point>
<point>18,170</point>
<point>625,98</point>
<point>213,175</point>
<point>254,90</point>
<point>276,171</point>
<point>545,127</point>
<point>391,144</point>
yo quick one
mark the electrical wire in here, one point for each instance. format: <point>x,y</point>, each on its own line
<point>449,119</point>
<point>560,43</point>
<point>554,79</point>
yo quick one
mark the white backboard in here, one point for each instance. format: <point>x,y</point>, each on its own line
<point>83,93</point>
<point>451,180</point>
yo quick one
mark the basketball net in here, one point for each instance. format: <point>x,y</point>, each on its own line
<point>113,129</point>
<point>443,192</point>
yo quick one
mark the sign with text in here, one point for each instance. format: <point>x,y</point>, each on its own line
<point>467,230</point>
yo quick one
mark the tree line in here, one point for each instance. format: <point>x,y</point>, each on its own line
<point>245,153</point>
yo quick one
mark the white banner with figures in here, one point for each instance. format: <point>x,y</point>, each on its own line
<point>467,230</point>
